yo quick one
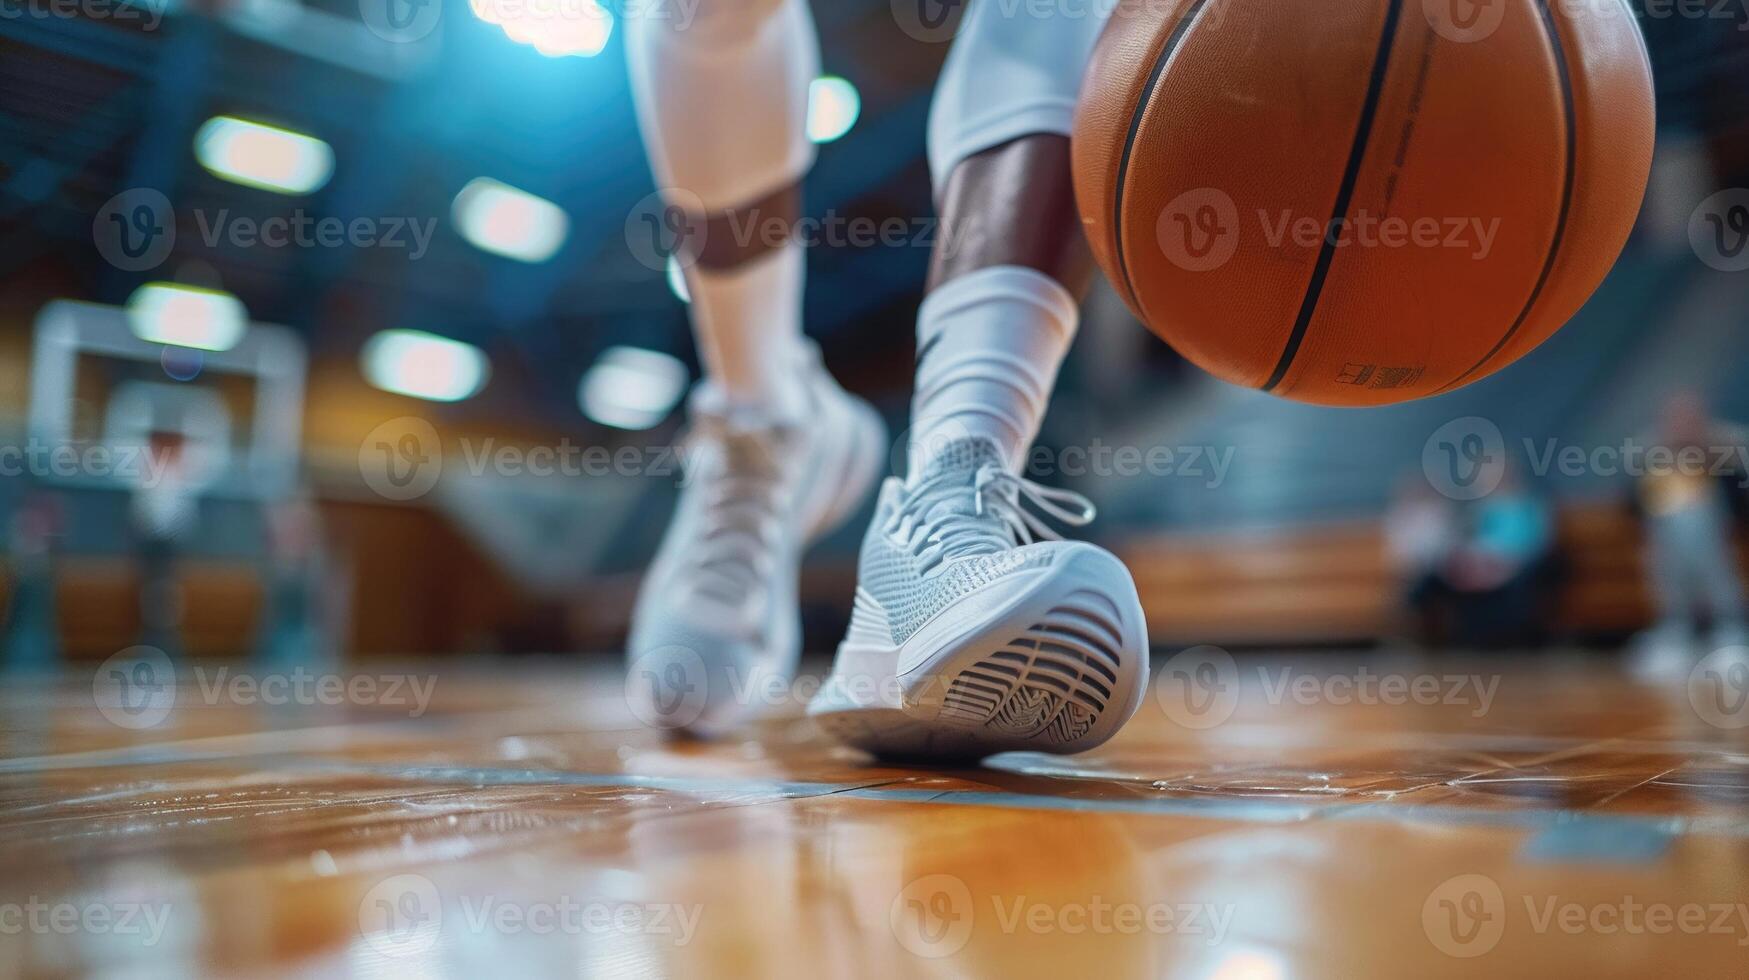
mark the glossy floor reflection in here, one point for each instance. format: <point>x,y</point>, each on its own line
<point>1264,819</point>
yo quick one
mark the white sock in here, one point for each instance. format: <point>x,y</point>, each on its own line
<point>989,344</point>
<point>722,103</point>
<point>748,321</point>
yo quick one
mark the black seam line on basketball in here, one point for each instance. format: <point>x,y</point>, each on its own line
<point>1568,181</point>
<point>1542,279</point>
<point>1345,195</point>
<point>1129,143</point>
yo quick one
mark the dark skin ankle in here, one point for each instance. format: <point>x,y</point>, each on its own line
<point>1013,204</point>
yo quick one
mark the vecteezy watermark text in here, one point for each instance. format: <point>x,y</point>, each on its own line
<point>1100,459</point>
<point>934,916</point>
<point>1200,230</point>
<point>136,230</point>
<point>136,465</point>
<point>138,688</point>
<point>148,13</point>
<point>1466,458</point>
<point>1467,915</point>
<point>404,458</point>
<point>1202,687</point>
<point>38,917</point>
<point>300,230</point>
<point>406,913</point>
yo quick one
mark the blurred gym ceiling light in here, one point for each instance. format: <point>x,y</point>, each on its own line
<point>266,157</point>
<point>833,107</point>
<point>555,28</point>
<point>506,221</point>
<point>632,388</point>
<point>186,316</point>
<point>424,365</point>
<point>677,281</point>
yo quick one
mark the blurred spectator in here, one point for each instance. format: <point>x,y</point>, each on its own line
<point>1484,576</point>
<point>164,508</point>
<point>1686,506</point>
<point>296,624</point>
<point>1505,571</point>
<point>1421,533</point>
<point>1504,574</point>
<point>30,636</point>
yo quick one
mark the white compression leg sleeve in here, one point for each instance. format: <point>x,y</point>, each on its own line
<point>990,342</point>
<point>722,102</point>
<point>1013,71</point>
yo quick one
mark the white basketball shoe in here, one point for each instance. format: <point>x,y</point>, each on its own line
<point>716,629</point>
<point>969,637</point>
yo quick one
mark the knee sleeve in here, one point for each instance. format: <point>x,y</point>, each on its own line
<point>1013,71</point>
<point>722,98</point>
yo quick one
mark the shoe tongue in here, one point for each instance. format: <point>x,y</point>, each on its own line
<point>947,497</point>
<point>960,459</point>
<point>745,439</point>
<point>792,405</point>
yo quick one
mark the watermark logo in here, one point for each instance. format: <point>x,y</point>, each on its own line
<point>1199,230</point>
<point>1719,230</point>
<point>932,917</point>
<point>1465,916</point>
<point>401,21</point>
<point>136,688</point>
<point>1202,688</point>
<point>1465,21</point>
<point>134,465</point>
<point>401,459</point>
<point>925,440</point>
<point>148,13</point>
<point>1718,688</point>
<point>660,228</point>
<point>135,230</point>
<point>929,21</point>
<point>36,916</point>
<point>1208,465</point>
<point>1199,688</point>
<point>567,915</point>
<point>1465,459</point>
<point>401,915</point>
<point>668,687</point>
<point>300,229</point>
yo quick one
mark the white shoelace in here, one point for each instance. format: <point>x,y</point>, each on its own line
<point>744,501</point>
<point>937,530</point>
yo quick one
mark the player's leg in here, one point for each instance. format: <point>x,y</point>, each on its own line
<point>778,452</point>
<point>722,102</point>
<point>970,635</point>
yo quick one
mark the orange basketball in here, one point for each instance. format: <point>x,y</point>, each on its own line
<point>1357,202</point>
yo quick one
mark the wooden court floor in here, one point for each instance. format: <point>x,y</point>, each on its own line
<point>1304,817</point>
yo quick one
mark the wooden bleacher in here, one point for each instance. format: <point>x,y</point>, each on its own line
<point>1330,584</point>
<point>1324,585</point>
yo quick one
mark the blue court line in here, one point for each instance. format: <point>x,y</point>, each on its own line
<point>1593,842</point>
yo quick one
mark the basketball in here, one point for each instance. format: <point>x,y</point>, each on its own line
<point>1362,202</point>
